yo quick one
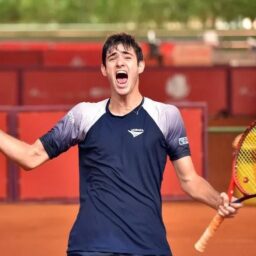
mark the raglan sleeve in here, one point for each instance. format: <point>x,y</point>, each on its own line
<point>177,141</point>
<point>68,132</point>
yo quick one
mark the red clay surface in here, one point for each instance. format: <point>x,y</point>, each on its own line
<point>42,229</point>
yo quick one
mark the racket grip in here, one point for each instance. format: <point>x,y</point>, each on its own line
<point>202,242</point>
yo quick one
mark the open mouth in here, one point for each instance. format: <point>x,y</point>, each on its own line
<point>121,77</point>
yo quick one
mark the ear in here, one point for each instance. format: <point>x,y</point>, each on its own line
<point>103,70</point>
<point>141,66</point>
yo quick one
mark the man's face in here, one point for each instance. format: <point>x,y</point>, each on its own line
<point>122,69</point>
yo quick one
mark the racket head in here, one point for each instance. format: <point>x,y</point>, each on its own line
<point>244,167</point>
<point>244,178</point>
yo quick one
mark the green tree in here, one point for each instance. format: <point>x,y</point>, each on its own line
<point>117,11</point>
<point>9,11</point>
<point>141,12</point>
<point>76,11</point>
<point>37,11</point>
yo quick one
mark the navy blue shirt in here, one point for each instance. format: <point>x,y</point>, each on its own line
<point>121,164</point>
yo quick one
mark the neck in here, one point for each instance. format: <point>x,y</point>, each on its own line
<point>122,105</point>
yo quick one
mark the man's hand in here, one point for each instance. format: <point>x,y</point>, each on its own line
<point>226,208</point>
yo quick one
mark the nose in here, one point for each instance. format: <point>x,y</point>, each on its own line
<point>119,61</point>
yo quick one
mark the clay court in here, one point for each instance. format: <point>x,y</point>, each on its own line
<point>31,229</point>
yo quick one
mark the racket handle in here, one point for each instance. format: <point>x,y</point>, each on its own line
<point>202,242</point>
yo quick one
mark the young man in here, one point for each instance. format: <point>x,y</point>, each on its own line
<point>123,145</point>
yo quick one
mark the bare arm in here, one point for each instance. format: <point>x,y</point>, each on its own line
<point>28,156</point>
<point>194,185</point>
<point>198,188</point>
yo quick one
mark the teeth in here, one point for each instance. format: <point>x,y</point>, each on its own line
<point>121,72</point>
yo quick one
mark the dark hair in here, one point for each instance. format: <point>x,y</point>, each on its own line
<point>126,40</point>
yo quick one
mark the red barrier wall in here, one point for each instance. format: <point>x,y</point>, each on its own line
<point>3,160</point>
<point>73,55</point>
<point>24,45</point>
<point>187,84</point>
<point>56,179</point>
<point>64,87</point>
<point>192,54</point>
<point>243,91</point>
<point>175,85</point>
<point>20,58</point>
<point>8,88</point>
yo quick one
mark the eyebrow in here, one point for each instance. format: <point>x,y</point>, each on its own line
<point>122,52</point>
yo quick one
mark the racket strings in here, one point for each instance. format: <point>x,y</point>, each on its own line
<point>246,163</point>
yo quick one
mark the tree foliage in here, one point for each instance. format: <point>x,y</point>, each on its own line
<point>154,12</point>
<point>9,11</point>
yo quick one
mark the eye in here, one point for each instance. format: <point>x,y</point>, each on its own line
<point>111,57</point>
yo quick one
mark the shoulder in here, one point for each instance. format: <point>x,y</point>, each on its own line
<point>159,110</point>
<point>89,106</point>
<point>85,114</point>
<point>87,109</point>
<point>166,116</point>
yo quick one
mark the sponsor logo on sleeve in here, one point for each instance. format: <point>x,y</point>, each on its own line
<point>183,141</point>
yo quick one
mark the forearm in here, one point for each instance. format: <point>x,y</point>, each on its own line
<point>199,189</point>
<point>26,155</point>
<point>195,185</point>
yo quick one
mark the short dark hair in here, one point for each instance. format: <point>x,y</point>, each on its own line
<point>122,38</point>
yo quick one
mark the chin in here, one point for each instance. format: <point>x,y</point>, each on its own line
<point>122,91</point>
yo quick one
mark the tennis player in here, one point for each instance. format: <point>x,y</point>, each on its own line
<point>123,142</point>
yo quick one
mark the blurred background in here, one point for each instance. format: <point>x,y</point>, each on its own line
<point>200,55</point>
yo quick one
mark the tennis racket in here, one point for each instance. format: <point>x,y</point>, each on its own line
<point>243,178</point>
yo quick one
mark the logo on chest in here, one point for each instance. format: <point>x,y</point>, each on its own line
<point>136,132</point>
